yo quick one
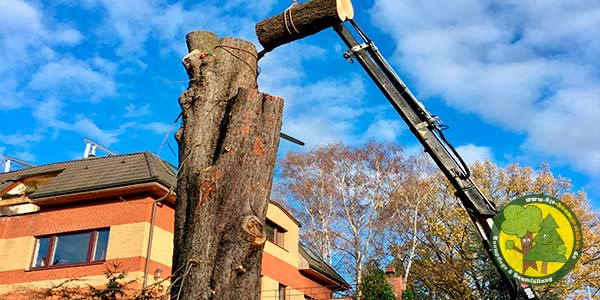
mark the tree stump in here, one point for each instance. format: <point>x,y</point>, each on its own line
<point>302,20</point>
<point>228,142</point>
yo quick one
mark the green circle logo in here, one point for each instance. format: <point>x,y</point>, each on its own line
<point>536,239</point>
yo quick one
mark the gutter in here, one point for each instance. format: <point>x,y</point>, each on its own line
<point>150,239</point>
<point>35,196</point>
<point>151,187</point>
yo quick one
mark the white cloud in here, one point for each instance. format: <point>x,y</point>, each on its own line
<point>133,111</point>
<point>512,63</point>
<point>87,127</point>
<point>472,153</point>
<point>48,111</point>
<point>22,140</point>
<point>49,114</point>
<point>68,36</point>
<point>130,22</point>
<point>133,23</point>
<point>19,18</point>
<point>325,111</point>
<point>25,36</point>
<point>10,98</point>
<point>155,127</point>
<point>567,129</point>
<point>73,78</point>
<point>25,156</point>
<point>318,111</point>
<point>384,130</point>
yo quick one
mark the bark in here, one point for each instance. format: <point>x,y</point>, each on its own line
<point>302,20</point>
<point>228,141</point>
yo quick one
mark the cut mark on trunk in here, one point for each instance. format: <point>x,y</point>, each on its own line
<point>223,129</point>
<point>206,187</point>
<point>245,129</point>
<point>215,174</point>
<point>253,226</point>
<point>258,149</point>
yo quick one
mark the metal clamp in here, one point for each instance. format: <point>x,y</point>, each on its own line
<point>348,54</point>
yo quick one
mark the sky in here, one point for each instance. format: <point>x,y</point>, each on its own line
<point>516,81</point>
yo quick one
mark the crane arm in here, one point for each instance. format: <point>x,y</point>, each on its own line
<point>428,130</point>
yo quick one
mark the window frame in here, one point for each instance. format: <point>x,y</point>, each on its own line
<point>278,234</point>
<point>281,294</point>
<point>92,244</point>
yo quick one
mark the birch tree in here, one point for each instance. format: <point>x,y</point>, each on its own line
<point>342,195</point>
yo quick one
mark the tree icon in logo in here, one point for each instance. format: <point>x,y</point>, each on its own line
<point>536,239</point>
<point>522,222</point>
<point>549,246</point>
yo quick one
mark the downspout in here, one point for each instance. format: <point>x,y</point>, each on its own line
<point>150,238</point>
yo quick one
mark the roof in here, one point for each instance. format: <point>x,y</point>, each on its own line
<point>286,212</point>
<point>318,265</point>
<point>94,174</point>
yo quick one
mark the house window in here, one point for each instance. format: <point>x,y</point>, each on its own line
<point>71,248</point>
<point>281,292</point>
<point>275,233</point>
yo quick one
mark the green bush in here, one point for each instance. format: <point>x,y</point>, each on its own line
<point>376,287</point>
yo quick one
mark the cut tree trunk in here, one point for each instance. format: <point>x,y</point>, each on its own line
<point>228,142</point>
<point>302,20</point>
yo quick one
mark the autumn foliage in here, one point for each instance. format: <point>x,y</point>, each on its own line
<point>375,202</point>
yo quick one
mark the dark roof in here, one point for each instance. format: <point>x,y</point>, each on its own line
<point>95,173</point>
<point>317,264</point>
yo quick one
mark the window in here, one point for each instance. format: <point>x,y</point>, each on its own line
<point>275,233</point>
<point>281,293</point>
<point>71,248</point>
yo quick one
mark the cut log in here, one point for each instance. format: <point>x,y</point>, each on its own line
<point>302,20</point>
<point>228,142</point>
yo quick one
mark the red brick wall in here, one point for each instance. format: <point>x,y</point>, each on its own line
<point>90,215</point>
<point>78,217</point>
<point>129,264</point>
<point>291,277</point>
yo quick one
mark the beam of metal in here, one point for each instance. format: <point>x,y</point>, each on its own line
<point>291,139</point>
<point>9,159</point>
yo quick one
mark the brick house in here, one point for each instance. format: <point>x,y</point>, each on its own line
<point>72,219</point>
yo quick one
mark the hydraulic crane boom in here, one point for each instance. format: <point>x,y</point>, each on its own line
<point>428,130</point>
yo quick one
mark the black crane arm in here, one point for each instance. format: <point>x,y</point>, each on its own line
<point>428,130</point>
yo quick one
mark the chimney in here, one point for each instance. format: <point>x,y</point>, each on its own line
<point>91,146</point>
<point>397,282</point>
<point>390,270</point>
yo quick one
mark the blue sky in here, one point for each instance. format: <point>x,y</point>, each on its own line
<point>516,81</point>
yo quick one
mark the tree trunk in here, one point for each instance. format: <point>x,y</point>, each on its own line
<point>228,142</point>
<point>302,20</point>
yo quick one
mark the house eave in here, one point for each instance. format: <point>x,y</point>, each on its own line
<point>324,279</point>
<point>68,197</point>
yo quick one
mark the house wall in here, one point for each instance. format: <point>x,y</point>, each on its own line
<point>127,244</point>
<point>275,271</point>
<point>129,222</point>
<point>281,265</point>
